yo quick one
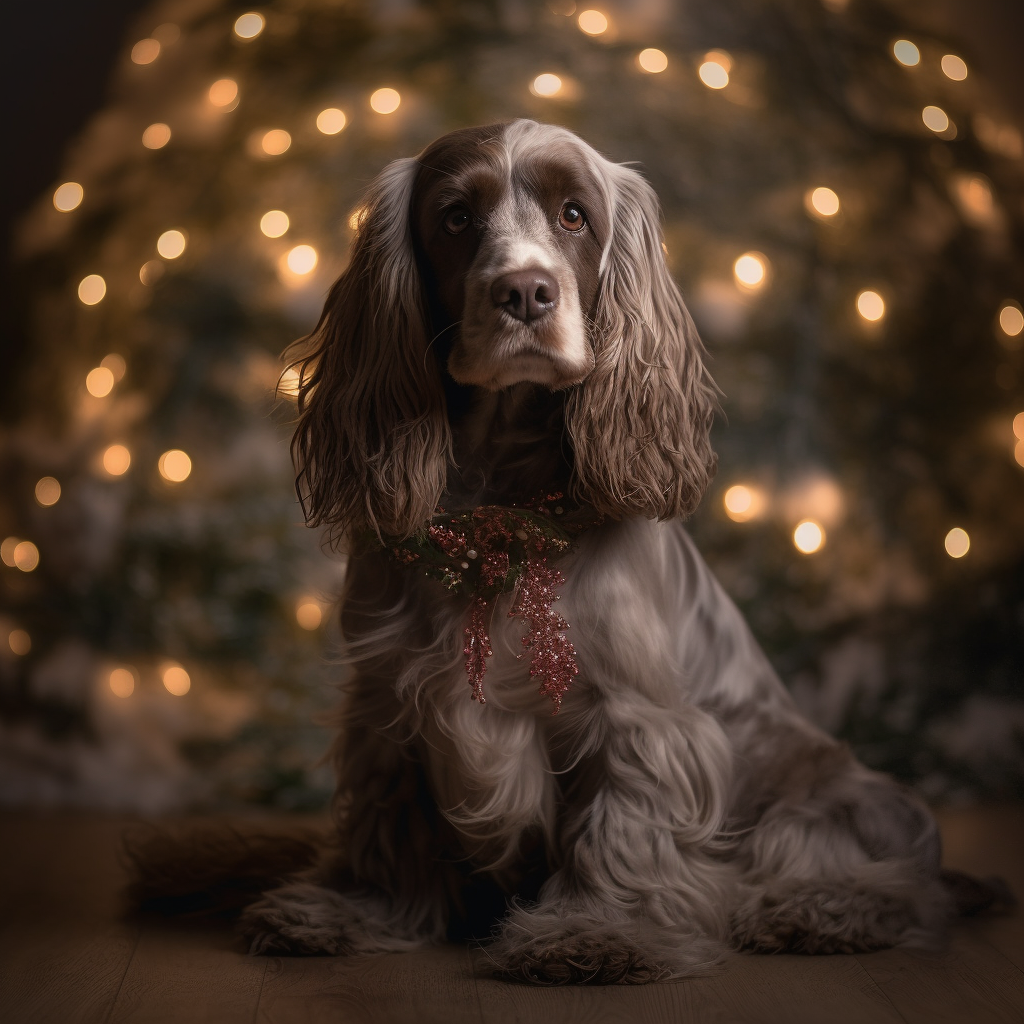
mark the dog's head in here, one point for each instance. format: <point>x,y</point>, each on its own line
<point>502,255</point>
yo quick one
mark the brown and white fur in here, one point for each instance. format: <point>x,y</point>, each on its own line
<point>484,347</point>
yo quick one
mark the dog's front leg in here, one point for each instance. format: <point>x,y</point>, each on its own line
<point>638,894</point>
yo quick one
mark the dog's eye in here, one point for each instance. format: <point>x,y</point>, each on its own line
<point>456,220</point>
<point>571,218</point>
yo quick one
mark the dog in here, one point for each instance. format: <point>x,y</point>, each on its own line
<point>556,722</point>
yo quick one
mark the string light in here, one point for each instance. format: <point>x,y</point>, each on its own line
<point>385,101</point>
<point>275,142</point>
<point>957,543</point>
<point>26,556</point>
<point>7,550</point>
<point>822,201</point>
<point>331,121</point>
<point>19,642</point>
<point>1011,320</point>
<point>116,460</point>
<point>174,466</point>
<point>91,289</point>
<point>121,682</point>
<point>308,614</point>
<point>249,26</point>
<point>68,196</point>
<point>223,92</point>
<point>546,85</point>
<point>47,491</point>
<point>99,382</point>
<point>171,244</point>
<point>151,271</point>
<point>870,305</point>
<point>714,71</point>
<point>935,119</point>
<point>301,260</point>
<point>175,679</point>
<point>808,537</point>
<point>115,364</point>
<point>751,270</point>
<point>652,60</point>
<point>742,503</point>
<point>594,23</point>
<point>145,51</point>
<point>954,67</point>
<point>156,136</point>
<point>906,53</point>
<point>274,223</point>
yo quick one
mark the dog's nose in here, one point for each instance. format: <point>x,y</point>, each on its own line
<point>525,294</point>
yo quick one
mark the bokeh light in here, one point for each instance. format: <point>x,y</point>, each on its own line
<point>276,141</point>
<point>91,289</point>
<point>121,682</point>
<point>546,85</point>
<point>47,491</point>
<point>156,136</point>
<point>223,92</point>
<point>171,244</point>
<point>68,196</point>
<point>1018,425</point>
<point>742,503</point>
<point>751,270</point>
<point>957,543</point>
<point>713,74</point>
<point>652,60</point>
<point>174,465</point>
<point>26,556</point>
<point>115,364</point>
<point>385,101</point>
<point>906,53</point>
<point>954,67</point>
<point>7,550</point>
<point>808,536</point>
<point>822,201</point>
<point>594,23</point>
<point>175,679</point>
<point>308,614</point>
<point>249,26</point>
<point>1011,320</point>
<point>274,223</point>
<point>99,382</point>
<point>331,121</point>
<point>289,383</point>
<point>19,642</point>
<point>145,51</point>
<point>935,118</point>
<point>870,305</point>
<point>151,271</point>
<point>302,259</point>
<point>116,460</point>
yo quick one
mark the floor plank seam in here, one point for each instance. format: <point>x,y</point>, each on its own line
<point>127,968</point>
<point>259,994</point>
<point>878,988</point>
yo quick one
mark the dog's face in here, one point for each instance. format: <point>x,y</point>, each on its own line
<point>510,231</point>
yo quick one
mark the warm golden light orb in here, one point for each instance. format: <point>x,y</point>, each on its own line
<point>385,101</point>
<point>121,682</point>
<point>1018,426</point>
<point>954,67</point>
<point>355,218</point>
<point>751,270</point>
<point>249,26</point>
<point>1018,453</point>
<point>808,537</point>
<point>171,244</point>
<point>742,503</point>
<point>174,466</point>
<point>115,364</point>
<point>274,223</point>
<point>331,121</point>
<point>546,85</point>
<point>175,679</point>
<point>151,271</point>
<point>822,201</point>
<point>713,74</point>
<point>594,23</point>
<point>308,614</point>
<point>68,196</point>
<point>906,53</point>
<point>145,51</point>
<point>7,550</point>
<point>47,491</point>
<point>302,259</point>
<point>289,383</point>
<point>275,142</point>
<point>91,289</point>
<point>156,136</point>
<point>1011,320</point>
<point>19,642</point>
<point>116,460</point>
<point>26,556</point>
<point>652,60</point>
<point>935,119</point>
<point>870,305</point>
<point>223,92</point>
<point>957,543</point>
<point>99,382</point>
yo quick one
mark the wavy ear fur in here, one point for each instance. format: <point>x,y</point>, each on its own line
<point>372,442</point>
<point>639,423</point>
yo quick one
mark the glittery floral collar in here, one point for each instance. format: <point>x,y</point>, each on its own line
<point>483,552</point>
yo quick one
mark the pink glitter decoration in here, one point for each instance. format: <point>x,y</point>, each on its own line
<point>478,645</point>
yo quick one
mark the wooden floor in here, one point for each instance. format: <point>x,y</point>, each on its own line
<point>66,956</point>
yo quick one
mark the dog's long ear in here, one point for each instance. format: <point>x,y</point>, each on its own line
<point>372,443</point>
<point>639,423</point>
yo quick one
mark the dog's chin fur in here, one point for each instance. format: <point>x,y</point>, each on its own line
<point>678,805</point>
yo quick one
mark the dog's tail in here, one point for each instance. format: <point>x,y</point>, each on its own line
<point>972,896</point>
<point>210,870</point>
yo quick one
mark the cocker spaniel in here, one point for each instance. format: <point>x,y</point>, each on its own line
<point>556,722</point>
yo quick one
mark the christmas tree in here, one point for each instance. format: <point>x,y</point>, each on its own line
<point>843,205</point>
